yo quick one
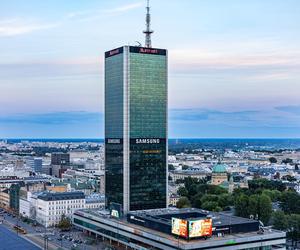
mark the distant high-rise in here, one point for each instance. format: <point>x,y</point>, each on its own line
<point>61,159</point>
<point>136,127</point>
<point>35,164</point>
<point>59,164</point>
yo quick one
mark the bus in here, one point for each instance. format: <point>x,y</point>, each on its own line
<point>20,229</point>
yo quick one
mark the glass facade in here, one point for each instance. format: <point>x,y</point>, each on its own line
<point>148,96</point>
<point>148,119</point>
<point>145,89</point>
<point>147,175</point>
<point>114,128</point>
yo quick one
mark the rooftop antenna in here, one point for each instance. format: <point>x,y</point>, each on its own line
<point>148,30</point>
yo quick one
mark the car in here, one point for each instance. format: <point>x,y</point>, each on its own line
<point>59,239</point>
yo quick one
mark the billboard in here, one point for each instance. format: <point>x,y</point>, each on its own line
<point>179,227</point>
<point>115,210</point>
<point>198,228</point>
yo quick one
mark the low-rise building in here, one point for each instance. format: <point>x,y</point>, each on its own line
<point>173,199</point>
<point>52,206</point>
<point>4,199</point>
<point>95,201</point>
<point>193,173</point>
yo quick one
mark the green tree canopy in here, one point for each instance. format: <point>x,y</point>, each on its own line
<point>65,223</point>
<point>183,202</point>
<point>273,160</point>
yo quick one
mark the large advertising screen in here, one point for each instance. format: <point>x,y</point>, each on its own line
<point>198,228</point>
<point>115,210</point>
<point>179,227</point>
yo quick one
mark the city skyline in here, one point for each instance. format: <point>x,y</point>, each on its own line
<point>233,69</point>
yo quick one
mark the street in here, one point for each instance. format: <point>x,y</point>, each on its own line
<point>51,238</point>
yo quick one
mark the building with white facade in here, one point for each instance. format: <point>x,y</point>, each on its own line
<point>51,207</point>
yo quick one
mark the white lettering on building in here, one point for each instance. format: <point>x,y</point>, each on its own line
<point>147,141</point>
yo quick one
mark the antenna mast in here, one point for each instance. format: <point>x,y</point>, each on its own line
<point>148,30</point>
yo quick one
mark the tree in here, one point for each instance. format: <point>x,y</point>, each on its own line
<point>225,200</point>
<point>273,160</point>
<point>196,200</point>
<point>265,208</point>
<point>266,184</point>
<point>253,205</point>
<point>274,195</point>
<point>241,206</point>
<point>290,202</point>
<point>289,178</point>
<point>211,206</point>
<point>287,161</point>
<point>183,202</point>
<point>65,223</point>
<point>182,191</point>
<point>279,220</point>
<point>171,167</point>
<point>185,167</point>
<point>293,222</point>
<point>209,197</point>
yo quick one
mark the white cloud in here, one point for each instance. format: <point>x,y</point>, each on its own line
<point>125,8</point>
<point>87,15</point>
<point>13,27</point>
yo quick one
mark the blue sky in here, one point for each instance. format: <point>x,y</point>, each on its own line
<point>234,66</point>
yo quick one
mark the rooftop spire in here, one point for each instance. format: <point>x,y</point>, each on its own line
<point>148,30</point>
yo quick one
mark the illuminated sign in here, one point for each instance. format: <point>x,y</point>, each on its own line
<point>179,227</point>
<point>115,213</point>
<point>113,141</point>
<point>148,51</point>
<point>198,228</point>
<point>147,141</point>
<point>143,50</point>
<point>114,52</point>
<point>115,210</point>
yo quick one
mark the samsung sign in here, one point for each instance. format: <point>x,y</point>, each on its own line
<point>147,141</point>
<point>113,141</point>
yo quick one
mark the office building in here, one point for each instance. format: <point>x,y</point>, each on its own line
<point>62,159</point>
<point>35,164</point>
<point>136,82</point>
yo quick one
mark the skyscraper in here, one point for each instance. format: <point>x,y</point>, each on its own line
<point>136,126</point>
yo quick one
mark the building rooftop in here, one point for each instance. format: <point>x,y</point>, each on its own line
<point>219,168</point>
<point>49,196</point>
<point>103,216</point>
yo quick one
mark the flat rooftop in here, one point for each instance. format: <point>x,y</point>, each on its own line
<point>103,216</point>
<point>166,215</point>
